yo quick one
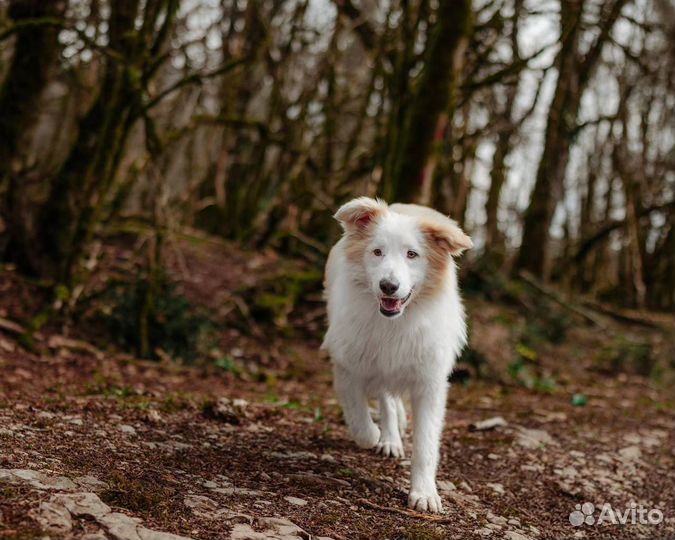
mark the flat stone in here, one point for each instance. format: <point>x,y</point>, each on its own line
<point>126,428</point>
<point>515,535</point>
<point>498,520</point>
<point>40,480</point>
<point>54,518</point>
<point>90,481</point>
<point>497,488</point>
<point>630,453</point>
<point>82,504</point>
<point>446,485</point>
<point>296,501</point>
<point>532,438</point>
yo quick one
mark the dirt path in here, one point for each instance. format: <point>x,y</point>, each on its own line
<point>101,445</point>
<point>119,448</point>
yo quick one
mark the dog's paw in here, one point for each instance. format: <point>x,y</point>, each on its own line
<point>425,502</point>
<point>390,449</point>
<point>366,437</point>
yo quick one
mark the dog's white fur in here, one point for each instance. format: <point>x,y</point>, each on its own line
<point>413,350</point>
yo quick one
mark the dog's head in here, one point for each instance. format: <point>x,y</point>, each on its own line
<point>399,252</point>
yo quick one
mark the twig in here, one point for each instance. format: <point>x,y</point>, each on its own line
<point>11,326</point>
<point>407,513</point>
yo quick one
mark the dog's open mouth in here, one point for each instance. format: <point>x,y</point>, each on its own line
<point>390,306</point>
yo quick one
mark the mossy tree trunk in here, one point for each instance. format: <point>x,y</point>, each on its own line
<point>81,186</point>
<point>35,51</point>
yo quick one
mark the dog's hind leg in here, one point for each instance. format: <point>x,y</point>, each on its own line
<point>390,438</point>
<point>352,397</point>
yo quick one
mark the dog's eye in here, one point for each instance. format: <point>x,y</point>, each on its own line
<point>411,254</point>
<point>377,252</point>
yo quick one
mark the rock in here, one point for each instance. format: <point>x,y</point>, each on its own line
<point>514,535</point>
<point>484,531</point>
<point>226,410</point>
<point>497,520</point>
<point>328,458</point>
<point>446,485</point>
<point>123,527</point>
<point>465,486</point>
<point>275,529</point>
<point>54,518</point>
<point>567,472</point>
<point>37,479</point>
<point>296,501</point>
<point>152,416</point>
<point>200,505</point>
<point>532,438</point>
<point>493,456</point>
<point>630,453</point>
<point>90,482</point>
<point>488,424</point>
<point>532,468</point>
<point>98,535</point>
<point>125,428</point>
<point>497,488</point>
<point>82,504</point>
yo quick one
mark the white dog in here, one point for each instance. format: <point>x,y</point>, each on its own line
<point>396,324</point>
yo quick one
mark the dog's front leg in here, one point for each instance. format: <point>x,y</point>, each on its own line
<point>352,397</point>
<point>428,405</point>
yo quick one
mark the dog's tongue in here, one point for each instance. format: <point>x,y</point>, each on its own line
<point>391,304</point>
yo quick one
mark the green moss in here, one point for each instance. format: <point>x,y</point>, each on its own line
<point>134,494</point>
<point>170,323</point>
<point>624,355</point>
<point>422,531</point>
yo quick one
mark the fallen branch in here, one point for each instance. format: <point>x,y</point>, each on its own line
<point>620,315</point>
<point>564,303</point>
<point>11,326</point>
<point>407,513</point>
<point>61,342</point>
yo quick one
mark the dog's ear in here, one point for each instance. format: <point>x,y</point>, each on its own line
<point>447,236</point>
<point>359,213</point>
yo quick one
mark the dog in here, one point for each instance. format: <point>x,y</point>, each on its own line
<point>396,325</point>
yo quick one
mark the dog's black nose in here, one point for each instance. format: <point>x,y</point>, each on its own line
<point>388,287</point>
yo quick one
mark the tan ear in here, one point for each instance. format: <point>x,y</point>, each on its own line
<point>359,213</point>
<point>448,236</point>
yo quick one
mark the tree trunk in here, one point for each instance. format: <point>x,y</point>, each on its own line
<point>494,240</point>
<point>431,98</point>
<point>35,51</point>
<point>553,163</point>
<point>574,73</point>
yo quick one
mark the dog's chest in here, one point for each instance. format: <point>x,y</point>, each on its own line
<point>393,352</point>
